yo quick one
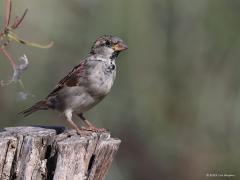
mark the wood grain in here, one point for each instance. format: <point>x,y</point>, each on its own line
<point>46,153</point>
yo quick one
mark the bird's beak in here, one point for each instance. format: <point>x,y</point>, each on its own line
<point>119,47</point>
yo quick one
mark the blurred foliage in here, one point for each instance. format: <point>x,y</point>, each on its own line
<point>175,103</point>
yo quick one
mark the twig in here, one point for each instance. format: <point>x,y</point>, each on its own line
<point>8,12</point>
<point>9,57</point>
<point>7,35</point>
<point>18,21</point>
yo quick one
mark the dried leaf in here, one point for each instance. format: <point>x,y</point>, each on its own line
<point>20,67</point>
<point>22,95</point>
<point>18,70</point>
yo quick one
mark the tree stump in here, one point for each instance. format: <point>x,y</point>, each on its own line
<point>46,153</point>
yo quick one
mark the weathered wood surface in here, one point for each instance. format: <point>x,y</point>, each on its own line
<point>45,153</point>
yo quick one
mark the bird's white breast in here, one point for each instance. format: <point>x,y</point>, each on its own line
<point>102,77</point>
<point>99,80</point>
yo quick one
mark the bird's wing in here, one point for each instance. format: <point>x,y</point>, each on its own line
<point>72,79</point>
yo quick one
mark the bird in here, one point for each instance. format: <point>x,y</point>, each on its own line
<point>85,85</point>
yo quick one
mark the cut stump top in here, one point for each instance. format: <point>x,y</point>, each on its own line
<point>35,153</point>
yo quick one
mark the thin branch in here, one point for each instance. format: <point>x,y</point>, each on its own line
<point>14,37</point>
<point>8,11</point>
<point>7,35</point>
<point>9,57</point>
<point>18,21</point>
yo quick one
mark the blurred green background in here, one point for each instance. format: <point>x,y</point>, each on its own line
<point>175,103</point>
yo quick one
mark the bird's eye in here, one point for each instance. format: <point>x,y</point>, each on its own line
<point>108,43</point>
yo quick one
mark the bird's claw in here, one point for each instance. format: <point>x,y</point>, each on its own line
<point>93,129</point>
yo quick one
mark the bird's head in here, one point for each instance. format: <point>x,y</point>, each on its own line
<point>109,46</point>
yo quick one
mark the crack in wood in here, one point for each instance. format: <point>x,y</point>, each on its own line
<point>90,165</point>
<point>46,153</point>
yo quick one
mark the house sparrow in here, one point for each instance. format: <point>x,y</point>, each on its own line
<point>86,85</point>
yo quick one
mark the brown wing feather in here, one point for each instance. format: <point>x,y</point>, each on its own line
<point>72,79</point>
<point>40,105</point>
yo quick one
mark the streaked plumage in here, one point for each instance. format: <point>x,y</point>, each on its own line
<point>87,84</point>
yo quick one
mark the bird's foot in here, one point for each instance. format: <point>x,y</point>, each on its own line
<point>94,129</point>
<point>80,132</point>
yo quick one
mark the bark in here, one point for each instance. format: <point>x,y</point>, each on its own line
<point>45,153</point>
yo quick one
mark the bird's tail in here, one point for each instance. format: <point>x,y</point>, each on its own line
<point>41,105</point>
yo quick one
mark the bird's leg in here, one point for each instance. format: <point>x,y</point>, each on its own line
<point>86,122</point>
<point>90,126</point>
<point>68,116</point>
